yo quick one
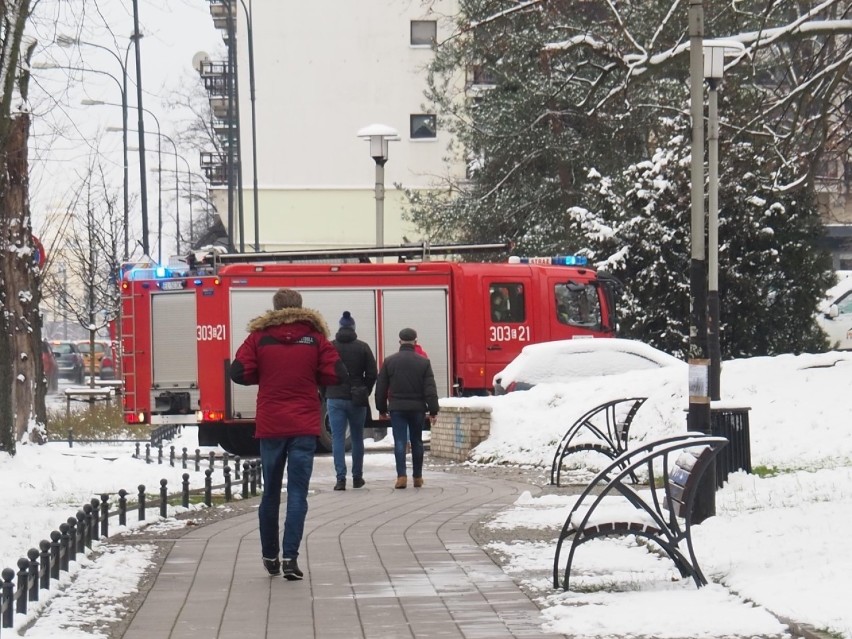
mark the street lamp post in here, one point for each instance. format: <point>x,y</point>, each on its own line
<point>143,179</point>
<point>67,41</point>
<point>250,37</point>
<point>63,271</point>
<point>379,135</point>
<point>698,418</point>
<point>714,66</point>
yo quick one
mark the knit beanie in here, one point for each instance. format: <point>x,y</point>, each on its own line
<point>347,321</point>
<point>286,298</point>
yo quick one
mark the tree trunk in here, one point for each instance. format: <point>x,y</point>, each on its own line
<point>20,277</point>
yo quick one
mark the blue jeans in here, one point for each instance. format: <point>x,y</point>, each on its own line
<point>408,425</point>
<point>298,454</point>
<point>341,411</point>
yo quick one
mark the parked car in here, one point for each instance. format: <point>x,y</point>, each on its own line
<point>835,316</point>
<point>570,360</point>
<point>51,369</point>
<point>69,361</point>
<point>102,350</point>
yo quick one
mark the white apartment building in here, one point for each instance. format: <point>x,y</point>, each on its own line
<point>324,70</point>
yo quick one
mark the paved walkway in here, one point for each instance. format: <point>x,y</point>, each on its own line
<point>378,562</point>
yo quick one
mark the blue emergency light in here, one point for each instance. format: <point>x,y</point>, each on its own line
<point>556,260</point>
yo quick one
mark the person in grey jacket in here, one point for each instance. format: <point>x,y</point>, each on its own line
<point>349,402</point>
<point>406,387</point>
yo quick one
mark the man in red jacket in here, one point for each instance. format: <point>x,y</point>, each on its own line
<point>288,355</point>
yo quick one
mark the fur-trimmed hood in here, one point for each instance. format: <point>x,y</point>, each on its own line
<point>289,316</point>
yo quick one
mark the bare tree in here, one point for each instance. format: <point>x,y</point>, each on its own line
<point>92,249</point>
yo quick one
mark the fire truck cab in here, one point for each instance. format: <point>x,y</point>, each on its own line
<point>471,318</point>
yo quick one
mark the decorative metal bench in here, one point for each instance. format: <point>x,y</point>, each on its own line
<point>664,518</point>
<point>616,417</point>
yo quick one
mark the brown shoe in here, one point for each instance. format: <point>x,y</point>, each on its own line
<point>418,482</point>
<point>401,482</point>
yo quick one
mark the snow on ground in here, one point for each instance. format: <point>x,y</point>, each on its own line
<point>775,548</point>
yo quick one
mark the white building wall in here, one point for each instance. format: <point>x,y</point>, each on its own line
<point>324,69</point>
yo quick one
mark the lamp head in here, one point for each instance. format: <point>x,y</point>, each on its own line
<point>715,52</point>
<point>378,135</point>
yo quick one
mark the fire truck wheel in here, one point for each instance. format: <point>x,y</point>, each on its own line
<point>239,440</point>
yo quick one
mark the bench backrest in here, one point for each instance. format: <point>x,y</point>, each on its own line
<point>683,477</point>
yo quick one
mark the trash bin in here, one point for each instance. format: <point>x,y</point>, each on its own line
<point>731,423</point>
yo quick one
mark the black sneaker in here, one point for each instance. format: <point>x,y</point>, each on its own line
<point>273,566</point>
<point>290,570</point>
<point>358,482</point>
<point>340,485</point>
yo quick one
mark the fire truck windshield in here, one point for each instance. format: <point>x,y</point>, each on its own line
<point>577,305</point>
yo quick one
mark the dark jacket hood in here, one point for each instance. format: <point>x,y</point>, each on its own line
<point>289,316</point>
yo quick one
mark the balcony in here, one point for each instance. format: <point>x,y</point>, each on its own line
<point>213,166</point>
<point>220,10</point>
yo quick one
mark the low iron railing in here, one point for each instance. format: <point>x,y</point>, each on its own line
<point>42,566</point>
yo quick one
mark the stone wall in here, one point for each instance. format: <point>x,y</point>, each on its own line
<point>458,430</point>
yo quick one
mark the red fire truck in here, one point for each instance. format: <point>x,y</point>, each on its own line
<point>181,329</point>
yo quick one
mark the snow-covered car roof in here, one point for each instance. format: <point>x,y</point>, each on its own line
<point>566,360</point>
<point>843,286</point>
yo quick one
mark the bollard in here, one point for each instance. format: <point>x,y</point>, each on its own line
<point>96,518</point>
<point>185,501</point>
<point>237,467</point>
<point>160,453</point>
<point>226,458</point>
<point>55,537</point>
<point>164,498</point>
<point>197,460</point>
<point>104,516</point>
<point>183,459</point>
<point>64,547</point>
<point>87,525</point>
<point>33,576</point>
<point>81,532</point>
<point>122,507</point>
<point>172,456</point>
<point>44,564</point>
<point>227,472</point>
<point>71,548</point>
<point>260,475</point>
<point>136,454</point>
<point>147,453</point>
<point>245,480</point>
<point>8,594</point>
<point>23,571</point>
<point>141,489</point>
<point>208,487</point>
<point>212,457</point>
<point>70,438</point>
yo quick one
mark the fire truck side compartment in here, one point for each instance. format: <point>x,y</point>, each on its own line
<point>174,375</point>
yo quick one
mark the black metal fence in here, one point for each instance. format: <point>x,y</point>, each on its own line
<point>42,567</point>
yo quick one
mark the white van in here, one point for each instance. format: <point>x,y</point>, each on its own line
<point>835,316</point>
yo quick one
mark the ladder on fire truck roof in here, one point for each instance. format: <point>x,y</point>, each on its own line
<point>420,251</point>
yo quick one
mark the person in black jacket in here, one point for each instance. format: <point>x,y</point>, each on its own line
<point>350,402</point>
<point>407,386</point>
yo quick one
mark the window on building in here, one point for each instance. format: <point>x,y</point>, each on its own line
<point>424,33</point>
<point>423,126</point>
<point>507,302</point>
<point>482,76</point>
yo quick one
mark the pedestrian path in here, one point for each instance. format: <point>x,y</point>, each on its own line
<point>378,562</point>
